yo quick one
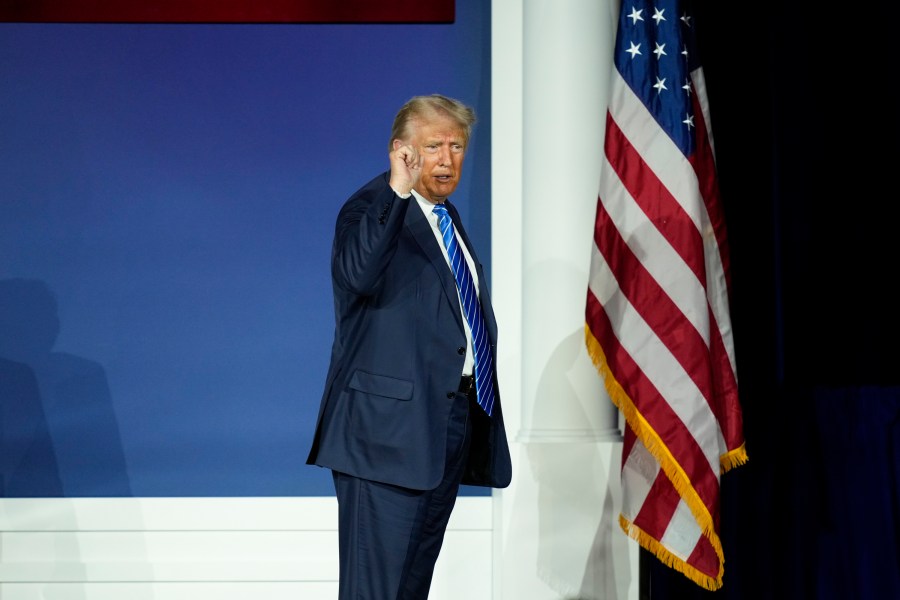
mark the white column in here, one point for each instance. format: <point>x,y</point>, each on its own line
<point>556,526</point>
<point>566,54</point>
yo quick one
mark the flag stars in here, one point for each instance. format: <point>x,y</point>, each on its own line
<point>660,51</point>
<point>658,15</point>
<point>635,15</point>
<point>655,53</point>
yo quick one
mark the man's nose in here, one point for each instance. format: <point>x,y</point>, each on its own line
<point>444,155</point>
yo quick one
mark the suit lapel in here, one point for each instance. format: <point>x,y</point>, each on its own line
<point>457,223</point>
<point>421,231</point>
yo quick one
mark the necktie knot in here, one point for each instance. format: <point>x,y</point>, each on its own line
<point>441,211</point>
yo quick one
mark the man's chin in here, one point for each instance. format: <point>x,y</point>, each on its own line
<point>443,190</point>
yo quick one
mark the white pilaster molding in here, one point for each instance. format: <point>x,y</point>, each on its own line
<point>506,258</point>
<point>557,524</point>
<point>566,69</point>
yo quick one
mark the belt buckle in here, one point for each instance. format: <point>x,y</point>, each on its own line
<point>467,385</point>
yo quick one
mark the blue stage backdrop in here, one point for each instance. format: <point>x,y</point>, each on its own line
<point>167,203</point>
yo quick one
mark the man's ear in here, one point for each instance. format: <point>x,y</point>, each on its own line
<point>396,144</point>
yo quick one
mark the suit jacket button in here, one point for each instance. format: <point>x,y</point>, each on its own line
<point>461,350</point>
<point>451,395</point>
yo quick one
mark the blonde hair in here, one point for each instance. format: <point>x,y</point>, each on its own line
<point>426,107</point>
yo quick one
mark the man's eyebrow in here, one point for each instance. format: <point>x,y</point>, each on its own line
<point>451,140</point>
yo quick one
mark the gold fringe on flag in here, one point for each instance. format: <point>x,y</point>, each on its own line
<point>651,440</point>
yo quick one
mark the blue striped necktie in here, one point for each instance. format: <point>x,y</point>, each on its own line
<point>481,344</point>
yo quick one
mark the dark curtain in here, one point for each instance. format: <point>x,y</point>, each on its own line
<point>804,129</point>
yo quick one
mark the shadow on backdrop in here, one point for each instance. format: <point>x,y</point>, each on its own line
<point>27,459</point>
<point>580,546</point>
<point>60,436</point>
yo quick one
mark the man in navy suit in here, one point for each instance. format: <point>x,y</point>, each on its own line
<point>399,424</point>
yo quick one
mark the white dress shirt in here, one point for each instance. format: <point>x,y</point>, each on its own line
<point>427,209</point>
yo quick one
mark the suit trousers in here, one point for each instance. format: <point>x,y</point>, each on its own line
<point>390,536</point>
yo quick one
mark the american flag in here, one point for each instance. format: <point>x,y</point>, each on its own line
<point>657,316</point>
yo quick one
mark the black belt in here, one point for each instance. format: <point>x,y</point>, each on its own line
<point>467,385</point>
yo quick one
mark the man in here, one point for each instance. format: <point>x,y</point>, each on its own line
<point>400,424</point>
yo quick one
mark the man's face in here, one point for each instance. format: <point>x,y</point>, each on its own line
<point>442,145</point>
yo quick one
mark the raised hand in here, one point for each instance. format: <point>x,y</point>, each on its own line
<point>406,167</point>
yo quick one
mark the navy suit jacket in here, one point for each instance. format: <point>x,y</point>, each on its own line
<point>398,351</point>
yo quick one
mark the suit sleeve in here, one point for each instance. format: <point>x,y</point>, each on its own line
<point>365,240</point>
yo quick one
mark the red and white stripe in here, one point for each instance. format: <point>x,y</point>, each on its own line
<point>659,330</point>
